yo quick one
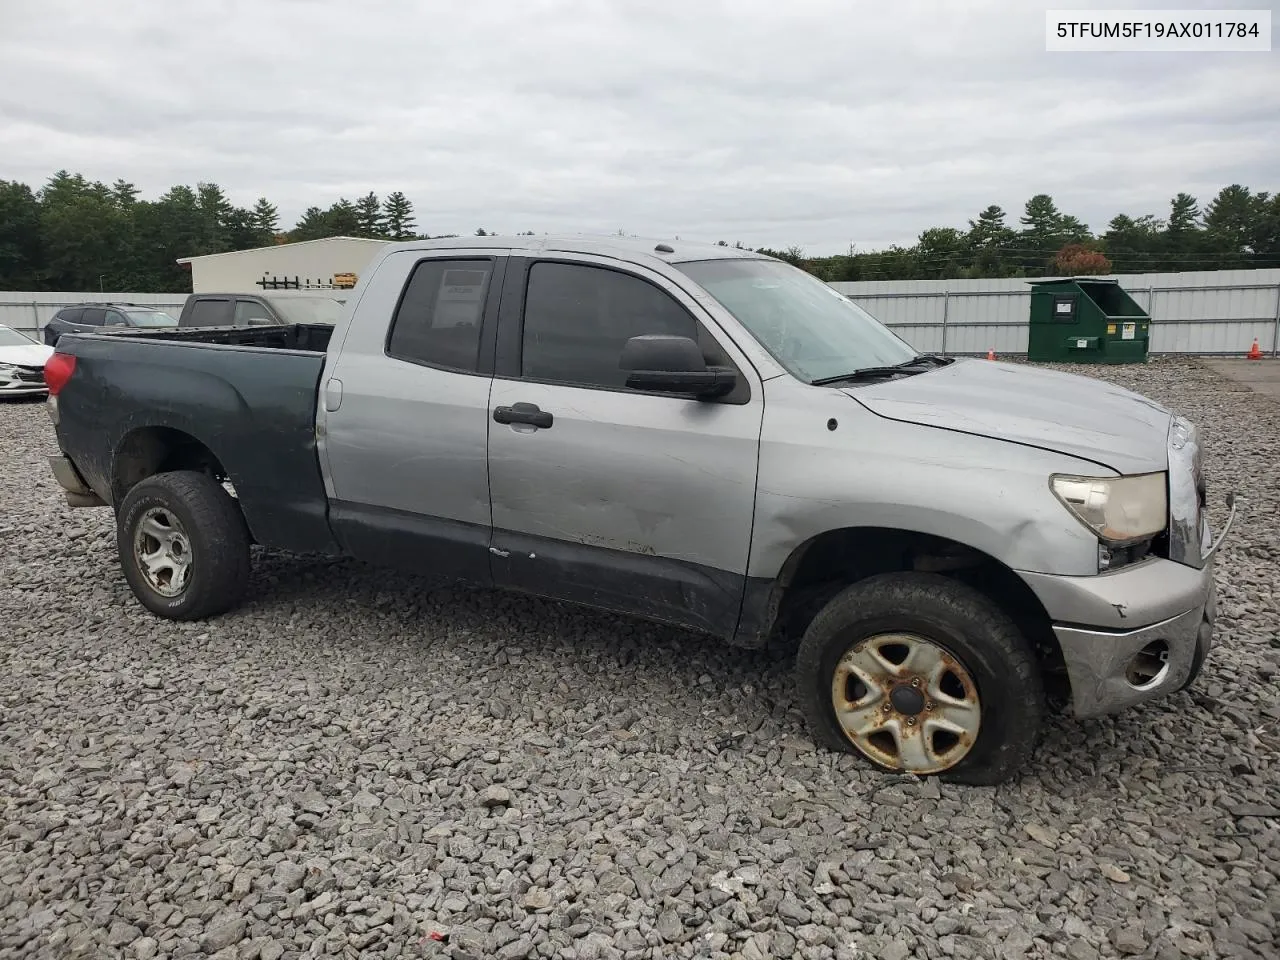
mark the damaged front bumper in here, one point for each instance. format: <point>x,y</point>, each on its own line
<point>1135,633</point>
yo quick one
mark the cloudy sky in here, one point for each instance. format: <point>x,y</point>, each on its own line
<point>818,123</point>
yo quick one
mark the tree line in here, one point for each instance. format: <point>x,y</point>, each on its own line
<point>1237,229</point>
<point>76,234</point>
<point>73,234</point>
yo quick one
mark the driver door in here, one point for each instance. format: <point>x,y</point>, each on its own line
<point>614,497</point>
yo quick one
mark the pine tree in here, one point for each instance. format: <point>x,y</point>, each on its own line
<point>398,212</point>
<point>369,220</point>
<point>313,225</point>
<point>343,219</point>
<point>215,216</point>
<point>265,219</point>
<point>126,193</point>
<point>1184,213</point>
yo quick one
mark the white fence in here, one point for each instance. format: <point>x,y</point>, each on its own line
<point>1206,312</point>
<point>29,312</point>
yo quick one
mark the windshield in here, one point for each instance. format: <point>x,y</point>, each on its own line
<point>308,309</point>
<point>12,338</point>
<point>151,318</point>
<point>806,325</point>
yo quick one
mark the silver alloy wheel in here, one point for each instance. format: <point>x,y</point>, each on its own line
<point>906,703</point>
<point>162,551</point>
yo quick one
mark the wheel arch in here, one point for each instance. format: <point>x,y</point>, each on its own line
<point>816,569</point>
<point>146,451</point>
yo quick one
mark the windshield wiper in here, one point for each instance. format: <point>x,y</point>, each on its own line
<point>867,373</point>
<point>927,358</point>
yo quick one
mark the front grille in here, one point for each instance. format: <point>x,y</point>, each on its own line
<point>30,375</point>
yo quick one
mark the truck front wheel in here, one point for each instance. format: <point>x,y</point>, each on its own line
<point>921,674</point>
<point>183,545</point>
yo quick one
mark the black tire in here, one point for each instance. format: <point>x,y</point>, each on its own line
<point>965,624</point>
<point>215,529</point>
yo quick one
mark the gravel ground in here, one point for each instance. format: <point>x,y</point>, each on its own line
<point>361,764</point>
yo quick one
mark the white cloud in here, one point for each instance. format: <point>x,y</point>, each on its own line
<point>817,123</point>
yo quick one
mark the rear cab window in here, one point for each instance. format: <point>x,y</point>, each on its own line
<point>439,318</point>
<point>213,312</point>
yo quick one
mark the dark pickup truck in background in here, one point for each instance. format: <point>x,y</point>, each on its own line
<point>696,434</point>
<point>260,309</point>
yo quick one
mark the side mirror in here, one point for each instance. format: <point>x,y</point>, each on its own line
<point>671,364</point>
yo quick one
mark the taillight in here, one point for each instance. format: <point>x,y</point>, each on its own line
<point>58,370</point>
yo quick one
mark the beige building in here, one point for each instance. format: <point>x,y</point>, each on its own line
<point>312,263</point>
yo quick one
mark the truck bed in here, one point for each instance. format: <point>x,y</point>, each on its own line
<point>307,337</point>
<point>243,398</point>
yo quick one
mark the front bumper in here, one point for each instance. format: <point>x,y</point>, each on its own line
<point>22,382</point>
<point>1104,622</point>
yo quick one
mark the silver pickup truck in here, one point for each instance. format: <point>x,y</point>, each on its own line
<point>695,434</point>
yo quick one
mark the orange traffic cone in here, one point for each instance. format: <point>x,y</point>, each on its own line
<point>991,354</point>
<point>1254,352</point>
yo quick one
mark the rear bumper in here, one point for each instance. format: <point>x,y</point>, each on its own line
<point>1102,623</point>
<point>76,490</point>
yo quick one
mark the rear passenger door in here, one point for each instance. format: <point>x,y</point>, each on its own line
<point>404,415</point>
<point>623,499</point>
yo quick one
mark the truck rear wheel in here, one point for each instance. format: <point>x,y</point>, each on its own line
<point>183,545</point>
<point>917,673</point>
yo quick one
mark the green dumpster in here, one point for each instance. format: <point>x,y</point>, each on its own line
<point>1086,320</point>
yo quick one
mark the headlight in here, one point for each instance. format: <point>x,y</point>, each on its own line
<point>8,371</point>
<point>1118,509</point>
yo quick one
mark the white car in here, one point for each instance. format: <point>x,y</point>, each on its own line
<point>21,364</point>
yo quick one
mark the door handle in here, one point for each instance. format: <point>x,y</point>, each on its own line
<point>523,413</point>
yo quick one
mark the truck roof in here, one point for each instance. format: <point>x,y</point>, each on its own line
<point>669,251</point>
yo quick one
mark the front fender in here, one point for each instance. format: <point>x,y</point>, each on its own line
<point>988,494</point>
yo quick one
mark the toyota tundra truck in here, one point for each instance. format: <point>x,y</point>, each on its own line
<point>699,435</point>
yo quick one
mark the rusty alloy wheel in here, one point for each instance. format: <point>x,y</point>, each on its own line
<point>906,703</point>
<point>162,551</point>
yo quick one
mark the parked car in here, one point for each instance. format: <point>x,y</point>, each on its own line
<point>21,364</point>
<point>696,434</point>
<point>92,317</point>
<point>259,309</point>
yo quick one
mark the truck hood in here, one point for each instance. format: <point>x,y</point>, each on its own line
<point>1070,414</point>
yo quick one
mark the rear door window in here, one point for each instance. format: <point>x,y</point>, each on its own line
<point>71,314</point>
<point>94,316</point>
<point>440,313</point>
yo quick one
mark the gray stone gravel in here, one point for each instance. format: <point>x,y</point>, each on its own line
<point>362,764</point>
